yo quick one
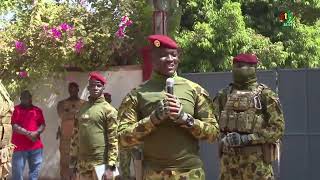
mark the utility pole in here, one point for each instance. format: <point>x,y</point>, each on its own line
<point>160,11</point>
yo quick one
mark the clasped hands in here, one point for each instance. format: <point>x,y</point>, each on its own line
<point>169,108</point>
<point>234,139</point>
<point>33,135</point>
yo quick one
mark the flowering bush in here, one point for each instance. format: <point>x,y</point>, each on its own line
<point>46,37</point>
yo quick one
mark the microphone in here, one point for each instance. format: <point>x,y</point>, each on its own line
<point>169,85</point>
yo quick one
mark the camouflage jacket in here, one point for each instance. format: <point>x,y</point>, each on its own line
<point>274,126</point>
<point>135,126</point>
<point>6,106</point>
<point>94,139</point>
<point>67,110</point>
<point>6,110</point>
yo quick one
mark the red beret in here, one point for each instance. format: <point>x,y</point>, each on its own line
<point>246,58</point>
<point>163,41</point>
<point>97,76</point>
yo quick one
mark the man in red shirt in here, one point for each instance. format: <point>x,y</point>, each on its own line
<point>28,123</point>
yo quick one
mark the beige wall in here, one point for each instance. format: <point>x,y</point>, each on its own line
<point>120,81</point>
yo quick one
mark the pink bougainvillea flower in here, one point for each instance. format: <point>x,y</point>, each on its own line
<point>65,27</point>
<point>20,47</point>
<point>23,74</point>
<point>128,23</point>
<point>120,33</point>
<point>124,18</point>
<point>125,22</point>
<point>56,33</point>
<point>78,46</point>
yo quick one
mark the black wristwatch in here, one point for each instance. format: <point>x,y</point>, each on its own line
<point>189,121</point>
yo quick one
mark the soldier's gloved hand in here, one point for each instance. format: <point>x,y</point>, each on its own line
<point>160,113</point>
<point>235,139</point>
<point>176,113</point>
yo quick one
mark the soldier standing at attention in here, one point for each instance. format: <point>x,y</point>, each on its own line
<point>6,110</point>
<point>124,155</point>
<point>168,126</point>
<point>66,110</point>
<point>94,141</point>
<point>251,122</point>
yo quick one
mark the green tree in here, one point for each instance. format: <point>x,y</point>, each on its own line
<point>212,32</point>
<point>42,37</point>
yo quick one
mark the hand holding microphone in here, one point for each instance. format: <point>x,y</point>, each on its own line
<point>175,107</point>
<point>169,85</point>
<point>170,108</point>
<point>162,110</point>
<point>171,101</point>
<point>160,113</point>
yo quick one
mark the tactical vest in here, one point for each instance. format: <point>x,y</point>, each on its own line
<point>6,148</point>
<point>242,111</point>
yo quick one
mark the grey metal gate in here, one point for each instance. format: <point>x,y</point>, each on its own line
<point>299,92</point>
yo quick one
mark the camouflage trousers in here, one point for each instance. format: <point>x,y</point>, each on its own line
<point>125,163</point>
<point>242,167</point>
<point>87,167</point>
<point>194,174</point>
<point>5,163</point>
<point>64,148</point>
<point>88,176</point>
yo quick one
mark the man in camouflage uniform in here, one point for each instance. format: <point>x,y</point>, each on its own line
<point>66,110</point>
<point>167,126</point>
<point>94,141</point>
<point>251,123</point>
<point>6,150</point>
<point>124,154</point>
